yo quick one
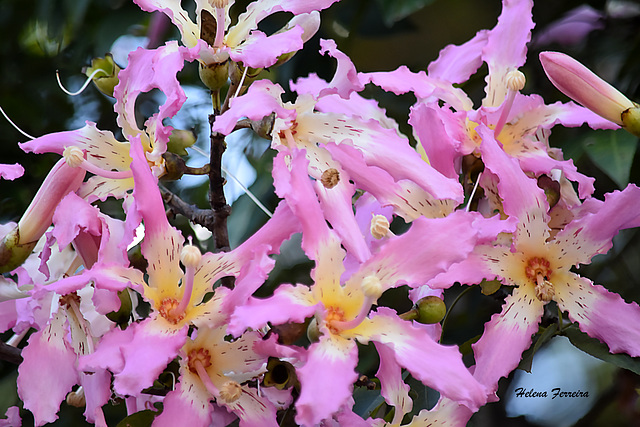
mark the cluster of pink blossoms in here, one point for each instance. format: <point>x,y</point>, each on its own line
<point>344,172</point>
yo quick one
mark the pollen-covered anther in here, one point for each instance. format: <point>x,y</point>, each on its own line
<point>198,355</point>
<point>73,155</point>
<point>191,256</point>
<point>515,80</point>
<point>544,289</point>
<point>330,178</point>
<point>538,270</point>
<point>379,226</point>
<point>168,310</point>
<point>372,287</point>
<point>230,391</point>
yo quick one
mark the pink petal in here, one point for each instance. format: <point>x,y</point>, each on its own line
<point>262,99</point>
<point>345,80</point>
<point>592,234</point>
<point>288,304</point>
<point>48,371</point>
<point>600,313</point>
<point>326,379</point>
<point>506,336</point>
<point>162,244</point>
<point>393,388</point>
<point>97,391</point>
<point>13,418</point>
<point>187,405</point>
<point>457,63</point>
<point>437,366</point>
<point>260,51</point>
<point>136,355</point>
<point>520,193</point>
<point>11,172</point>
<point>433,137</point>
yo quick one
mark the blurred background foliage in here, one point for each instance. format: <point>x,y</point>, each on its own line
<point>38,37</point>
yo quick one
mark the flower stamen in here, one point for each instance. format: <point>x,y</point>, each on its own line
<point>538,270</point>
<point>515,81</point>
<point>75,157</point>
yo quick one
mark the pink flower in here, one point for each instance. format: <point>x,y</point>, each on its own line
<point>538,264</point>
<point>242,42</point>
<point>342,311</point>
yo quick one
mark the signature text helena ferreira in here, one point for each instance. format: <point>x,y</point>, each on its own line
<point>556,392</point>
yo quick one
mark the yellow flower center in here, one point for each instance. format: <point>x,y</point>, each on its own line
<point>198,355</point>
<point>334,314</point>
<point>167,309</point>
<point>538,270</point>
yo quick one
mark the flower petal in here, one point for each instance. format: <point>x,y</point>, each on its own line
<point>326,379</point>
<point>435,365</point>
<point>48,371</point>
<point>600,313</point>
<point>506,336</point>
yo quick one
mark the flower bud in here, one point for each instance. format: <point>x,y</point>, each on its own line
<point>174,166</point>
<point>214,76</point>
<point>431,309</point>
<point>180,140</point>
<point>17,245</point>
<point>583,86</point>
<point>106,80</point>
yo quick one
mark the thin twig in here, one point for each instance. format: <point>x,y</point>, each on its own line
<point>204,217</point>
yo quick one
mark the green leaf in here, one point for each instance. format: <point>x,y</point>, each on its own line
<point>600,350</point>
<point>545,334</point>
<point>395,10</point>
<point>366,401</point>
<point>612,151</point>
<point>139,419</point>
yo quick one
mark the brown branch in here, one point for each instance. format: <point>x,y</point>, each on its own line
<point>221,210</point>
<point>10,353</point>
<point>204,217</point>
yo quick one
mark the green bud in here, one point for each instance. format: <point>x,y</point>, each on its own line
<point>180,140</point>
<point>174,166</point>
<point>214,76</point>
<point>12,252</point>
<point>431,309</point>
<point>106,77</point>
<point>264,127</point>
<point>631,120</point>
<point>236,71</point>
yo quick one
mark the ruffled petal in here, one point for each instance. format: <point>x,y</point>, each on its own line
<point>326,379</point>
<point>601,314</point>
<point>435,365</point>
<point>506,336</point>
<point>288,304</point>
<point>48,371</point>
<point>11,172</point>
<point>394,390</point>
